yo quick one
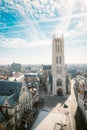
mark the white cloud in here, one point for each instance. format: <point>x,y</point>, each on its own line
<point>21,43</point>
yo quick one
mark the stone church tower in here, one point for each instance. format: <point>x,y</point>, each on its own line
<point>58,66</point>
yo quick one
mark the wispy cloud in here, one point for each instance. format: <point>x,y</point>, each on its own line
<point>33,22</point>
<point>21,43</point>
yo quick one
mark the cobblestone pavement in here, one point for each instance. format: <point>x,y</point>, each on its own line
<point>52,101</point>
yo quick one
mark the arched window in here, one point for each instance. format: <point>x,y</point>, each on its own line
<point>60,59</point>
<point>59,70</point>
<point>59,82</point>
<point>56,60</point>
<point>58,47</point>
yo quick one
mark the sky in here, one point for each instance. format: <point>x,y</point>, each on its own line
<point>27,28</point>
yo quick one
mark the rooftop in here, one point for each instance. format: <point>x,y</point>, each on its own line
<point>7,88</point>
<point>10,90</point>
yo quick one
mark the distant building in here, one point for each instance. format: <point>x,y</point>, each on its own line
<point>16,67</point>
<point>34,90</point>
<point>46,69</point>
<point>31,77</point>
<point>49,84</point>
<point>58,66</point>
<point>32,83</point>
<point>25,69</point>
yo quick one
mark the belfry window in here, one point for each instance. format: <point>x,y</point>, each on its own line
<point>59,70</point>
<point>60,60</point>
<point>58,47</point>
<point>57,60</point>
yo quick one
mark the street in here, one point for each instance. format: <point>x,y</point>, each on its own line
<point>53,115</point>
<point>58,112</point>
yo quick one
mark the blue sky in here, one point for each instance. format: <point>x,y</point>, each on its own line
<point>27,28</point>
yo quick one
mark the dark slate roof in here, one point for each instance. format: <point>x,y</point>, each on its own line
<point>10,90</point>
<point>2,118</point>
<point>12,99</point>
<point>30,76</point>
<point>7,88</point>
<point>46,67</point>
<point>2,99</point>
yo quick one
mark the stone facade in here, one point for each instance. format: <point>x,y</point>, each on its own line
<point>58,66</point>
<point>15,102</point>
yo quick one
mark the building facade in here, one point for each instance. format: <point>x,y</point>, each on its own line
<point>15,101</point>
<point>58,66</point>
<point>81,94</point>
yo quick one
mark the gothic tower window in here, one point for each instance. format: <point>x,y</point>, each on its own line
<point>57,60</point>
<point>58,47</point>
<point>60,60</point>
<point>59,70</point>
<point>59,82</point>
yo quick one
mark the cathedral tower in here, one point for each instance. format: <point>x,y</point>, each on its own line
<point>58,66</point>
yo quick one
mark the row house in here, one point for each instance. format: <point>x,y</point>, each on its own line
<point>81,90</point>
<point>15,101</point>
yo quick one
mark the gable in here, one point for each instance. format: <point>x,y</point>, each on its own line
<point>6,103</point>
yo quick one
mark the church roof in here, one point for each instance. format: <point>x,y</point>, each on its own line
<point>46,67</point>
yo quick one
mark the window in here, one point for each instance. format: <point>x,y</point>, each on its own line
<point>60,59</point>
<point>15,118</point>
<point>59,82</point>
<point>15,110</point>
<point>57,60</point>
<point>23,89</point>
<point>58,47</point>
<point>6,111</point>
<point>59,70</point>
